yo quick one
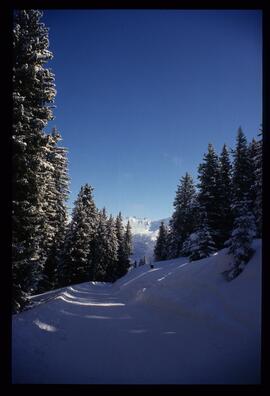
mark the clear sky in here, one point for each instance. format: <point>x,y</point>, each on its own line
<point>141,93</point>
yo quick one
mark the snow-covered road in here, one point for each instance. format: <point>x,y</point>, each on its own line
<point>176,323</point>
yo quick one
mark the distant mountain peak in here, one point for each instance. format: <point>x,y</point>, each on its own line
<point>145,232</point>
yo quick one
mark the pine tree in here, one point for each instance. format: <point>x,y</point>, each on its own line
<point>33,95</point>
<point>77,263</point>
<point>258,185</point>
<point>200,244</point>
<point>100,249</point>
<point>128,242</point>
<point>111,273</point>
<point>55,196</point>
<point>123,259</point>
<point>226,217</point>
<point>209,196</point>
<point>242,173</point>
<point>239,245</point>
<point>184,217</point>
<point>252,151</point>
<point>160,250</point>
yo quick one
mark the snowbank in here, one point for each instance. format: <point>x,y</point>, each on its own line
<point>177,323</point>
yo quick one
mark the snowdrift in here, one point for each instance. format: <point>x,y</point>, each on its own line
<point>178,323</point>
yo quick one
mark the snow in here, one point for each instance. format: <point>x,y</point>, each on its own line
<point>178,323</point>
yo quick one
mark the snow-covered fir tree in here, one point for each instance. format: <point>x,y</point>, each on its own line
<point>225,175</point>
<point>209,196</point>
<point>252,150</point>
<point>77,262</point>
<point>33,96</point>
<point>123,259</point>
<point>200,243</point>
<point>55,197</point>
<point>161,247</point>
<point>239,245</point>
<point>111,272</point>
<point>100,254</point>
<point>258,185</point>
<point>255,156</point>
<point>242,173</point>
<point>128,242</point>
<point>184,216</point>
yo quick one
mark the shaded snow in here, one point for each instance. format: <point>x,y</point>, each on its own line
<point>177,323</point>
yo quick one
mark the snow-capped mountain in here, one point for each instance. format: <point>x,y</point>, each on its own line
<point>144,232</point>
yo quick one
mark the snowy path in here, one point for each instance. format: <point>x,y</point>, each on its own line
<point>176,323</point>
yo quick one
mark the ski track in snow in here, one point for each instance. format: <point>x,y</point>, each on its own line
<point>178,323</point>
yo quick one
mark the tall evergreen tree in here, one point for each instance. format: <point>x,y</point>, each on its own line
<point>111,273</point>
<point>33,95</point>
<point>77,263</point>
<point>209,195</point>
<point>242,173</point>
<point>55,196</point>
<point>258,185</point>
<point>128,242</point>
<point>100,248</point>
<point>226,217</point>
<point>123,260</point>
<point>252,151</point>
<point>161,247</point>
<point>239,245</point>
<point>184,217</point>
<point>200,244</point>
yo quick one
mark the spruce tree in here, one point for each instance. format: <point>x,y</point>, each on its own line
<point>100,249</point>
<point>33,96</point>
<point>200,244</point>
<point>239,245</point>
<point>242,173</point>
<point>252,151</point>
<point>55,196</point>
<point>184,216</point>
<point>123,259</point>
<point>209,196</point>
<point>77,263</point>
<point>128,242</point>
<point>111,273</point>
<point>258,185</point>
<point>226,217</point>
<point>160,250</point>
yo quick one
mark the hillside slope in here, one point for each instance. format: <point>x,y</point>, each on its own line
<point>177,323</point>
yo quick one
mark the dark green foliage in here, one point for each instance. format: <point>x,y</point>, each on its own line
<point>242,172</point>
<point>124,246</point>
<point>78,264</point>
<point>184,216</point>
<point>55,194</point>
<point>239,245</point>
<point>33,95</point>
<point>256,155</point>
<point>160,251</point>
<point>209,196</point>
<point>112,252</point>
<point>200,244</point>
<point>225,185</point>
<point>128,241</point>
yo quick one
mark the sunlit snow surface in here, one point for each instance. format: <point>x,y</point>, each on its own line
<point>178,323</point>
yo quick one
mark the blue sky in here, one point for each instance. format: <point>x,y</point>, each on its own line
<point>141,93</point>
